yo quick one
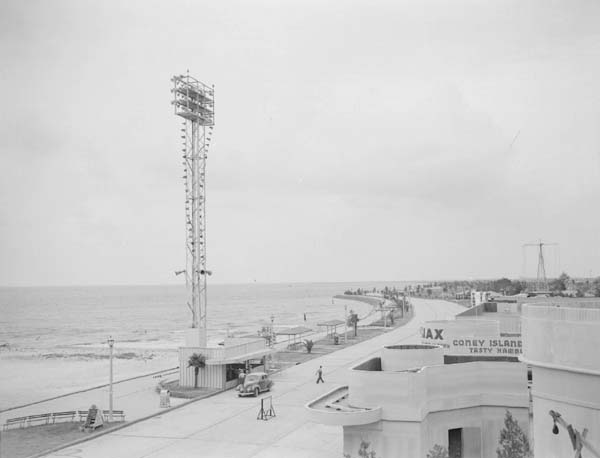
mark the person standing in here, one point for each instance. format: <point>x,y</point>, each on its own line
<point>320,375</point>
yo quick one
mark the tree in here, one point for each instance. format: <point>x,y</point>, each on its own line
<point>309,345</point>
<point>196,361</point>
<point>438,452</point>
<point>516,287</point>
<point>363,451</point>
<point>596,287</point>
<point>513,440</point>
<point>560,283</point>
<point>353,321</point>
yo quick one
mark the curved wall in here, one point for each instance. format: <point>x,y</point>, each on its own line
<point>565,337</point>
<point>403,357</point>
<point>410,396</point>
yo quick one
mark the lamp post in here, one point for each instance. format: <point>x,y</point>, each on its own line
<point>346,324</point>
<point>111,342</point>
<point>272,331</point>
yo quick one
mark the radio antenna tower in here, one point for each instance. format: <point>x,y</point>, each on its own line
<point>194,102</point>
<point>541,281</point>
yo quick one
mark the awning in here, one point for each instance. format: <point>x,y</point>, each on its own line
<point>241,358</point>
<point>293,331</point>
<point>331,325</point>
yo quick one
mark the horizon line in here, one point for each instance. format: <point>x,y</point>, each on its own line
<point>295,282</point>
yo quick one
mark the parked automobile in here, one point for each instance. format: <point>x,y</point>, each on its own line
<point>254,384</point>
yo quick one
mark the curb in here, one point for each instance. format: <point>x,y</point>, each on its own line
<point>86,389</point>
<point>119,427</point>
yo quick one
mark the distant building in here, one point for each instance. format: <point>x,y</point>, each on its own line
<point>434,291</point>
<point>479,297</point>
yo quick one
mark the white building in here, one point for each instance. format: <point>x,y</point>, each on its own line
<point>223,362</point>
<point>479,297</point>
<point>562,345</point>
<point>407,401</point>
<point>470,339</point>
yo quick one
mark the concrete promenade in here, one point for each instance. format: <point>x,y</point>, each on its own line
<point>226,426</point>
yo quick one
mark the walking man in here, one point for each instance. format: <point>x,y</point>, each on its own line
<point>320,375</point>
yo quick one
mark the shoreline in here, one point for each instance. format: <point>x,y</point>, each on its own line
<point>89,362</point>
<point>323,347</point>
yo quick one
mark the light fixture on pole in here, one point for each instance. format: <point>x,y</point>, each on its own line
<point>346,323</point>
<point>194,102</point>
<point>111,343</point>
<point>272,331</point>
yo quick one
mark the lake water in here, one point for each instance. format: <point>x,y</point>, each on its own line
<point>49,317</point>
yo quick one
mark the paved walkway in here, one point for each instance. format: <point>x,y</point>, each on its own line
<point>226,426</point>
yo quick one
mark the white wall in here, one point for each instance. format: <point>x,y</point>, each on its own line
<point>481,428</point>
<point>404,439</point>
<point>387,439</point>
<point>403,357</point>
<point>563,346</point>
<point>410,396</point>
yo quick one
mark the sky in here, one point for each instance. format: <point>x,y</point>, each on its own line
<point>354,140</point>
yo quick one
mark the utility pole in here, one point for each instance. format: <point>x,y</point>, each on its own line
<point>272,340</point>
<point>111,342</point>
<point>346,324</point>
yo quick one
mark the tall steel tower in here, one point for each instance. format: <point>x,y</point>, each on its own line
<point>194,102</point>
<point>541,280</point>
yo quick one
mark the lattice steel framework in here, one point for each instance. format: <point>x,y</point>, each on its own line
<point>194,102</point>
<point>541,280</point>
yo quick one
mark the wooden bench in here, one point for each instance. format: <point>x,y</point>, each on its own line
<point>116,414</point>
<point>13,421</point>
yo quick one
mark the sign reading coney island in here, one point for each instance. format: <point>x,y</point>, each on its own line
<point>459,341</point>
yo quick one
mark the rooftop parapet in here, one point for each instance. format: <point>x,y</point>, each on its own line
<point>410,395</point>
<point>560,337</point>
<point>410,357</point>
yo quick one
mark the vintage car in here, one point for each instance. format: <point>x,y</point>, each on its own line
<point>254,384</point>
